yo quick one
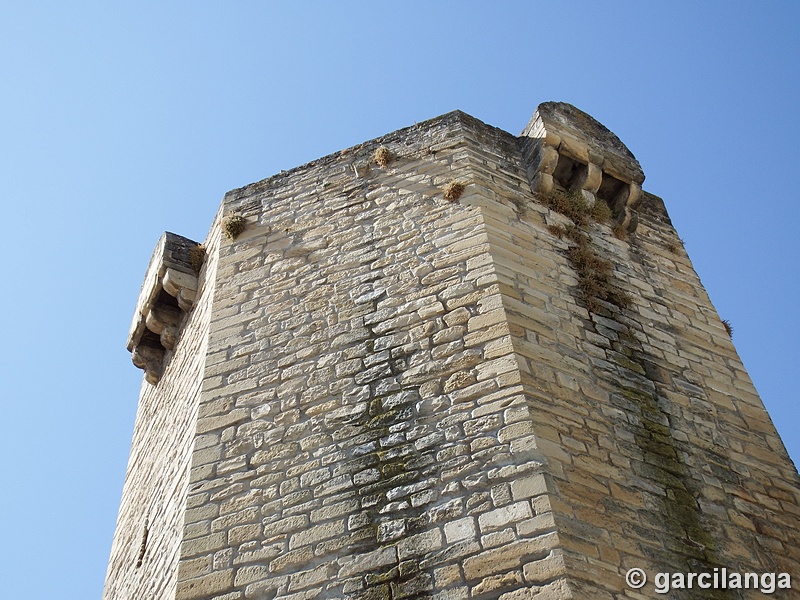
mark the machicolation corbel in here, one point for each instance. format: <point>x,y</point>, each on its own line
<point>564,149</point>
<point>168,293</point>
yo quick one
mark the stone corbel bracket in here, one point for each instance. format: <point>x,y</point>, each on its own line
<point>168,292</point>
<point>564,148</point>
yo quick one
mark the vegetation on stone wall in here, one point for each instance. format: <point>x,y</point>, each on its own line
<point>595,273</point>
<point>382,156</point>
<point>453,190</point>
<point>233,226</point>
<point>728,327</point>
<point>197,256</point>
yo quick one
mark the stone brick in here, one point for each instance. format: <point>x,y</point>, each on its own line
<point>461,529</point>
<point>368,561</point>
<point>203,545</point>
<point>249,574</point>
<point>419,544</point>
<point>497,583</point>
<point>511,556</point>
<point>527,487</point>
<point>313,577</point>
<point>205,586</point>
<point>292,560</point>
<point>506,515</point>
<point>545,569</point>
<point>536,525</point>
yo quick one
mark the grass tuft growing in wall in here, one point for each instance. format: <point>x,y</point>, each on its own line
<point>595,274</point>
<point>620,232</point>
<point>197,256</point>
<point>600,212</point>
<point>728,327</point>
<point>453,190</point>
<point>572,205</point>
<point>233,226</point>
<point>382,156</point>
<point>673,246</point>
<point>557,230</point>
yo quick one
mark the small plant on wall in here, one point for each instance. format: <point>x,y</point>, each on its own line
<point>728,327</point>
<point>233,226</point>
<point>453,190</point>
<point>382,156</point>
<point>595,274</point>
<point>197,256</point>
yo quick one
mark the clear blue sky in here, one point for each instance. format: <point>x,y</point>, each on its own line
<point>121,120</point>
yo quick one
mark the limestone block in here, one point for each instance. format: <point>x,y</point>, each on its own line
<point>541,523</point>
<point>542,183</point>
<point>500,517</point>
<point>548,159</point>
<point>419,544</point>
<point>545,569</point>
<point>460,529</point>
<point>151,360</point>
<point>164,321</point>
<point>634,195</point>
<point>588,197</point>
<point>527,487</point>
<point>510,556</point>
<point>574,148</point>
<point>314,577</point>
<point>174,281</point>
<point>161,317</point>
<point>368,561</point>
<point>292,560</point>
<point>590,179</point>
<point>186,299</point>
<point>205,586</point>
<point>361,169</point>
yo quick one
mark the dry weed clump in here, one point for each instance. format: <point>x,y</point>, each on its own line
<point>233,226</point>
<point>728,327</point>
<point>453,190</point>
<point>382,156</point>
<point>197,256</point>
<point>595,274</point>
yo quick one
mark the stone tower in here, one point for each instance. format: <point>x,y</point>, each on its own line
<point>448,363</point>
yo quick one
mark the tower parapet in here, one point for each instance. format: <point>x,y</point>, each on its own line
<point>564,148</point>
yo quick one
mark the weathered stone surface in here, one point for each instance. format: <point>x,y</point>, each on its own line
<point>499,560</point>
<point>506,515</point>
<point>369,561</point>
<point>205,586</point>
<point>376,393</point>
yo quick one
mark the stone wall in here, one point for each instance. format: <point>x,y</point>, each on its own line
<point>413,388</point>
<point>149,531</point>
<point>660,455</point>
<point>362,431</point>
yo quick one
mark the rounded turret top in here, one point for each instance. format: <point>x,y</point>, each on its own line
<point>569,128</point>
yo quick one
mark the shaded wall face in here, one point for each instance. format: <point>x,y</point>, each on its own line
<point>661,452</point>
<point>662,455</point>
<point>149,532</point>
<point>362,431</point>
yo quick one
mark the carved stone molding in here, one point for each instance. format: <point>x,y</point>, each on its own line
<point>564,148</point>
<point>168,292</point>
